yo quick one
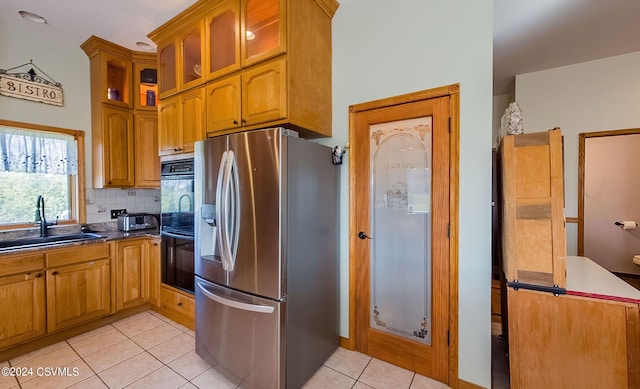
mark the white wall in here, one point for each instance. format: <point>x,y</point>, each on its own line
<point>66,63</point>
<point>592,96</point>
<point>384,48</point>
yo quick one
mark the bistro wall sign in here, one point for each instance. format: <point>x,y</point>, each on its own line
<point>29,85</point>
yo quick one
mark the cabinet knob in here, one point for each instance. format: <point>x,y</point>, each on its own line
<point>54,273</point>
<point>155,244</point>
<point>179,304</point>
<point>176,149</point>
<point>38,275</point>
<point>243,121</point>
<point>235,122</point>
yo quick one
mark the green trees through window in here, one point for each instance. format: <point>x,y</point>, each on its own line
<point>19,192</point>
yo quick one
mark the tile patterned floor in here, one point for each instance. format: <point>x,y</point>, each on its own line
<point>148,350</point>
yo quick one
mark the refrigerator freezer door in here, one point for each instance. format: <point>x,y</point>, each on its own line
<point>209,166</point>
<point>240,335</point>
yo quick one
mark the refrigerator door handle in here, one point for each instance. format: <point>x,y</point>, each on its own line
<point>234,210</point>
<point>220,209</point>
<point>226,203</point>
<point>235,304</point>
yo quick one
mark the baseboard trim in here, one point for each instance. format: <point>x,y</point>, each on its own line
<point>462,384</point>
<point>630,275</point>
<point>346,343</point>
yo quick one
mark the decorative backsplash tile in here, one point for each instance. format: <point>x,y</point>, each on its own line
<point>101,201</point>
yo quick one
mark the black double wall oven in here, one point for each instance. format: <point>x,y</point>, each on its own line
<point>176,224</point>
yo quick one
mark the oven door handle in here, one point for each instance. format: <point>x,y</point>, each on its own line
<point>177,236</point>
<point>235,304</point>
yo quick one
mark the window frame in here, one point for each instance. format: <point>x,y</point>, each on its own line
<point>77,186</point>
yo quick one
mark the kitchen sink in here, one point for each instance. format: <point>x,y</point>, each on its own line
<point>46,241</point>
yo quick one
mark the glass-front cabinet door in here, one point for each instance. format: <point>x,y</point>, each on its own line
<point>192,56</point>
<point>223,37</point>
<point>167,63</point>
<point>263,30</point>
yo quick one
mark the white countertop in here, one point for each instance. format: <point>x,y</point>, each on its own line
<point>586,276</point>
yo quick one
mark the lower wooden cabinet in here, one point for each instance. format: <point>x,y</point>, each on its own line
<point>22,308</point>
<point>178,302</point>
<point>78,293</point>
<point>50,290</point>
<point>154,271</point>
<point>132,267</point>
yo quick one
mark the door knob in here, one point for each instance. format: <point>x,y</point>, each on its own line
<point>362,235</point>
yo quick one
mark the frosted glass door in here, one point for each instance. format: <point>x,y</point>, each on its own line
<point>400,169</point>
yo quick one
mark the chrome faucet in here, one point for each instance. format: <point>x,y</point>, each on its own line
<point>41,219</point>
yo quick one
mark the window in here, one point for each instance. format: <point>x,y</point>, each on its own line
<point>40,160</point>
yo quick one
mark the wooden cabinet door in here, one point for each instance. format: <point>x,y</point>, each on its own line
<point>223,104</point>
<point>154,271</point>
<point>22,308</point>
<point>264,93</point>
<point>222,47</point>
<point>117,147</point>
<point>146,146</point>
<point>78,293</point>
<point>193,118</point>
<point>132,273</point>
<point>169,131</point>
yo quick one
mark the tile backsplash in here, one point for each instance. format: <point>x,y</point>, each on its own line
<point>100,202</point>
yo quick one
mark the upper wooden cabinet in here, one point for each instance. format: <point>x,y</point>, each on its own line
<point>181,122</point>
<point>115,168</point>
<point>124,99</point>
<point>263,29</point>
<point>239,37</point>
<point>181,58</point>
<point>222,39</point>
<point>145,81</point>
<point>147,161</point>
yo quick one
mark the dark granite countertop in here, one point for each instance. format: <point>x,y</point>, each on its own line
<point>107,232</point>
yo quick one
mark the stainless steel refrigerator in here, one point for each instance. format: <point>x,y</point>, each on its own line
<point>266,257</point>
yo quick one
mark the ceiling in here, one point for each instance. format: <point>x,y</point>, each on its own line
<point>532,35</point>
<point>529,35</point>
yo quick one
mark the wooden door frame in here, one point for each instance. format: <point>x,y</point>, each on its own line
<point>452,91</point>
<point>581,174</point>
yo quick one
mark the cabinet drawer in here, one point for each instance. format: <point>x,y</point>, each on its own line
<point>177,302</point>
<point>77,254</point>
<point>13,264</point>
